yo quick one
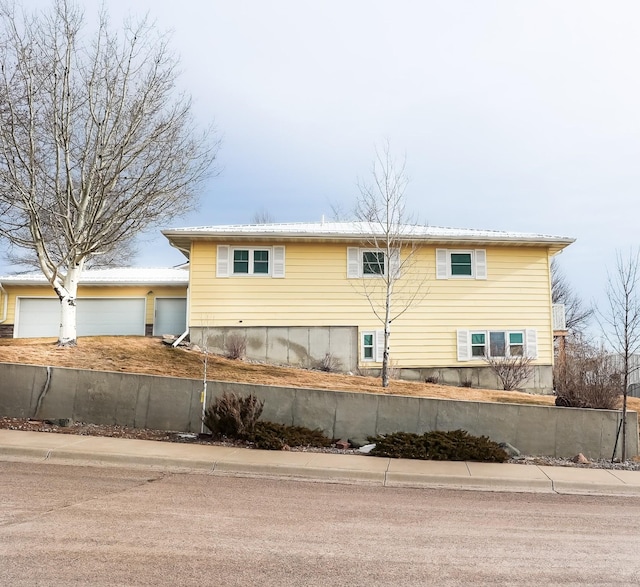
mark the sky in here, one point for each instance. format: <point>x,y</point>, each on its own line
<point>519,116</point>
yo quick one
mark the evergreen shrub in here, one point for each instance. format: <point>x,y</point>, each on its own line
<point>455,445</point>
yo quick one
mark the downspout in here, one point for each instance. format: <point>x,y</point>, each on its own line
<point>5,303</point>
<point>186,332</point>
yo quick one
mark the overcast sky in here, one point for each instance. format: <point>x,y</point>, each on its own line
<point>512,115</point>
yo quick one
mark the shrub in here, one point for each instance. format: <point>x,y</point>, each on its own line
<point>456,445</point>
<point>511,371</point>
<point>433,379</point>
<point>587,377</point>
<point>329,363</point>
<point>232,415</point>
<point>235,346</point>
<point>272,436</point>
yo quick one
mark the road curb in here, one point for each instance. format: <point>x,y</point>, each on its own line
<point>469,483</point>
<point>317,467</point>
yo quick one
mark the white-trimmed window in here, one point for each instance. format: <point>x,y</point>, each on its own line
<point>371,262</point>
<point>461,264</point>
<point>252,261</point>
<point>478,344</point>
<point>372,346</point>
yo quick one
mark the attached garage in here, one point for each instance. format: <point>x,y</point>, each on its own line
<point>130,301</point>
<point>40,317</point>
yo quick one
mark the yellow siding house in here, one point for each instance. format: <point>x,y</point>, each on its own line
<point>308,294</point>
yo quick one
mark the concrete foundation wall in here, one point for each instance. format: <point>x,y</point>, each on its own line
<point>541,380</point>
<point>174,404</point>
<point>299,346</point>
<point>307,347</point>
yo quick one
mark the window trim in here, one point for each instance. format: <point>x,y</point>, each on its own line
<point>361,263</point>
<point>377,346</point>
<point>478,263</point>
<point>465,347</point>
<point>355,263</point>
<point>251,261</point>
<point>225,261</point>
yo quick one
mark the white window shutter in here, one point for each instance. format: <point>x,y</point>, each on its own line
<point>353,262</point>
<point>222,261</point>
<point>379,346</point>
<point>464,345</point>
<point>394,264</point>
<point>481,263</point>
<point>531,343</point>
<point>441,264</point>
<point>278,262</point>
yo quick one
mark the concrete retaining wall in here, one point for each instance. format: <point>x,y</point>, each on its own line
<point>174,404</point>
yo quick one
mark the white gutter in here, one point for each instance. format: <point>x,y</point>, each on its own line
<point>5,303</point>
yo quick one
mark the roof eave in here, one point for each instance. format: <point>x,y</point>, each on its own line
<point>182,239</point>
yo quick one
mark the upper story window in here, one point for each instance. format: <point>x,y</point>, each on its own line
<point>371,262</point>
<point>461,264</point>
<point>253,261</point>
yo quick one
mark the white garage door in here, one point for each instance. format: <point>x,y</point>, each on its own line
<point>41,317</point>
<point>35,317</point>
<point>171,316</point>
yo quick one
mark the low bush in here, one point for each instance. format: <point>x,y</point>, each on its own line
<point>455,445</point>
<point>512,372</point>
<point>235,346</point>
<point>329,363</point>
<point>232,415</point>
<point>236,417</point>
<point>272,436</point>
<point>587,377</point>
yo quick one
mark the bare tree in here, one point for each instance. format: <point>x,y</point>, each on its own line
<point>390,259</point>
<point>621,321</point>
<point>94,144</point>
<point>588,377</point>
<point>577,314</point>
<point>262,216</point>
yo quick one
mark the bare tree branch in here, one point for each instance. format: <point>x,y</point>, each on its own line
<point>577,314</point>
<point>262,216</point>
<point>620,321</point>
<point>95,144</point>
<point>395,285</point>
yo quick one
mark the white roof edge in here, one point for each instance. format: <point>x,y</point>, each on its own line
<point>119,276</point>
<point>359,230</point>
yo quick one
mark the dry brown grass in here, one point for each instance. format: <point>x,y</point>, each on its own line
<point>149,356</point>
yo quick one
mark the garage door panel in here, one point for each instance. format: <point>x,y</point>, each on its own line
<point>170,316</point>
<point>41,317</point>
<point>113,316</point>
<point>38,317</point>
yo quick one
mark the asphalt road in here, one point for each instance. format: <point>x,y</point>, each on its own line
<point>68,525</point>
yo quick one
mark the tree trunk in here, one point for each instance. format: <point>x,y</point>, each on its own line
<point>68,297</point>
<point>623,454</point>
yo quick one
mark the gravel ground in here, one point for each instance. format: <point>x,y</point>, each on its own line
<point>168,436</point>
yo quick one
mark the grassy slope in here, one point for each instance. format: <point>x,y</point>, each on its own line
<point>150,356</point>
